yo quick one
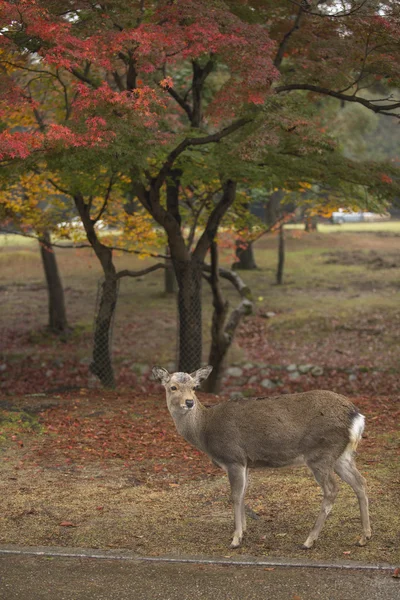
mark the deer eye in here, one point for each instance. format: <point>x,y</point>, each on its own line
<point>173,388</point>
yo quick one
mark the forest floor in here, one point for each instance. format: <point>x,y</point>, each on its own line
<point>87,468</point>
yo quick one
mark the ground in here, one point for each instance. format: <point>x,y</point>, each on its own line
<point>84,467</point>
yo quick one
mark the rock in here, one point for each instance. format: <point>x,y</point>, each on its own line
<point>235,396</point>
<point>248,366</point>
<point>267,315</point>
<point>352,377</point>
<point>49,373</point>
<point>304,368</point>
<point>268,384</point>
<point>294,375</point>
<point>253,379</point>
<point>291,368</point>
<point>3,368</point>
<point>234,372</point>
<point>317,371</point>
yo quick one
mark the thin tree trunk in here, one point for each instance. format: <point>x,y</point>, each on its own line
<point>281,254</point>
<point>57,314</point>
<point>223,328</point>
<point>311,223</point>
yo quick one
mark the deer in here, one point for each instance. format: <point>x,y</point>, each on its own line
<point>319,429</point>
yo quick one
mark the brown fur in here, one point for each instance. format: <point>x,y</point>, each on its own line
<point>312,428</point>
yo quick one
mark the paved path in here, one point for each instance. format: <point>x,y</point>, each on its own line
<point>33,577</point>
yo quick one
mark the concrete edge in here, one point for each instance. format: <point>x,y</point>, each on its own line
<point>246,561</point>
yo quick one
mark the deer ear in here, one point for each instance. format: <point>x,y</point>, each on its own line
<point>161,374</point>
<point>201,374</point>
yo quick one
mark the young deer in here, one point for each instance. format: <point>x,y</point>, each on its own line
<point>319,429</point>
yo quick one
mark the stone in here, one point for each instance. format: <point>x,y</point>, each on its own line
<point>268,384</point>
<point>304,368</point>
<point>294,375</point>
<point>317,371</point>
<point>248,366</point>
<point>291,368</point>
<point>234,372</point>
<point>253,379</point>
<point>235,396</point>
<point>3,367</point>
<point>352,377</point>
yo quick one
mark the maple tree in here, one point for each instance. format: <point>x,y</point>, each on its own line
<point>145,91</point>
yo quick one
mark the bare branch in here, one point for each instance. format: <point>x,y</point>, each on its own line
<point>128,273</point>
<point>286,37</point>
<point>345,97</point>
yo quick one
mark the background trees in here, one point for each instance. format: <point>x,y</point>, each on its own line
<point>164,95</point>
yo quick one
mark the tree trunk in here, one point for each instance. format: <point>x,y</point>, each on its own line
<point>311,223</point>
<point>281,254</point>
<point>245,256</point>
<point>223,328</point>
<point>189,276</point>
<point>170,286</point>
<point>101,365</point>
<point>57,313</point>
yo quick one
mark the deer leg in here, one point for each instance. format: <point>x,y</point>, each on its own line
<point>237,480</point>
<point>347,470</point>
<point>246,483</point>
<point>328,484</point>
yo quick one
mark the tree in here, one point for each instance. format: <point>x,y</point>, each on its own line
<point>29,203</point>
<point>146,90</point>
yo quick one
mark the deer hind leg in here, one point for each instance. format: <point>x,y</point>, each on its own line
<point>329,487</point>
<point>347,470</point>
<point>246,483</point>
<point>238,479</point>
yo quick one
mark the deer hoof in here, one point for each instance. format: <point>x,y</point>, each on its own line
<point>307,545</point>
<point>236,541</point>
<point>363,540</point>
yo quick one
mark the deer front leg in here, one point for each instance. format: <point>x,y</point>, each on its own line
<point>237,480</point>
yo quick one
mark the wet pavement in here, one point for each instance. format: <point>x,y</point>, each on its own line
<point>60,577</point>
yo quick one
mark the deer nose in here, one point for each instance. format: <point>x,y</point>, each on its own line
<point>189,403</point>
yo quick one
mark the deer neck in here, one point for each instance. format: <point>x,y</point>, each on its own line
<point>190,424</point>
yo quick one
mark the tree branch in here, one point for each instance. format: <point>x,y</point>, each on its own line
<point>128,273</point>
<point>209,233</point>
<point>208,139</point>
<point>340,96</point>
<point>286,37</point>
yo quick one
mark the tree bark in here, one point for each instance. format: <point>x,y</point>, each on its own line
<point>223,328</point>
<point>101,365</point>
<point>245,256</point>
<point>190,337</point>
<point>281,254</point>
<point>57,313</point>
<point>170,286</point>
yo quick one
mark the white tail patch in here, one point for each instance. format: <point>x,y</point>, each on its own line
<point>356,431</point>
